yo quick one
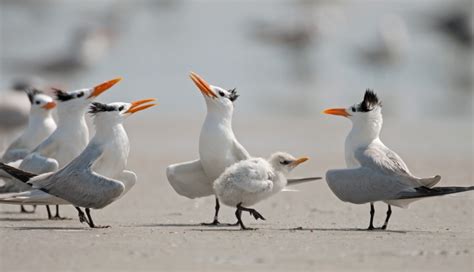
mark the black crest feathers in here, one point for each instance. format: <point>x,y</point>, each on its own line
<point>31,92</point>
<point>370,101</point>
<point>99,107</point>
<point>233,95</point>
<point>62,95</point>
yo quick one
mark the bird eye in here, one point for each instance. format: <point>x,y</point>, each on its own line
<point>37,102</point>
<point>80,94</point>
<point>285,162</point>
<point>120,108</point>
<point>221,93</point>
<point>353,109</point>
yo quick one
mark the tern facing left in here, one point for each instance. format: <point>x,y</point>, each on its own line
<point>376,173</point>
<point>94,179</point>
<point>250,181</point>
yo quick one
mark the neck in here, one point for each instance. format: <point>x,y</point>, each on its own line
<point>38,116</point>
<point>107,131</point>
<point>364,134</point>
<point>221,118</point>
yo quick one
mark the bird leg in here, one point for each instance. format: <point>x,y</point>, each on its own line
<point>215,222</point>
<point>389,213</point>
<point>372,213</point>
<point>91,223</point>
<point>50,217</point>
<point>82,216</point>
<point>23,210</point>
<point>253,212</point>
<point>57,216</point>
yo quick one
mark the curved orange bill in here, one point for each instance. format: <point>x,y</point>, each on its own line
<point>299,161</point>
<point>139,105</point>
<point>339,111</point>
<point>202,85</point>
<point>49,105</point>
<point>104,87</point>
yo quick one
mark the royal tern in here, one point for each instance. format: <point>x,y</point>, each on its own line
<point>94,179</point>
<point>218,146</point>
<point>248,182</point>
<point>376,173</point>
<point>69,138</point>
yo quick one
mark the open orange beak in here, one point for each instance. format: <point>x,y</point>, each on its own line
<point>49,105</point>
<point>339,111</point>
<point>104,87</point>
<point>202,85</point>
<point>139,105</point>
<point>298,161</point>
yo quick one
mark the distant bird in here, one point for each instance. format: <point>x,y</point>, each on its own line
<point>97,177</point>
<point>376,173</point>
<point>40,125</point>
<point>458,26</point>
<point>250,181</point>
<point>14,105</point>
<point>69,138</point>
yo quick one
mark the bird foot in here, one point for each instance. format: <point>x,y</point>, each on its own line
<point>370,227</point>
<point>256,214</point>
<point>58,217</point>
<point>212,224</point>
<point>23,210</point>
<point>100,227</point>
<point>247,228</point>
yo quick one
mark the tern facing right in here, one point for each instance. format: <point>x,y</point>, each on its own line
<point>94,179</point>
<point>376,173</point>
<point>250,181</point>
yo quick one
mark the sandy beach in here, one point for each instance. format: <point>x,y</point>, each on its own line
<point>153,228</point>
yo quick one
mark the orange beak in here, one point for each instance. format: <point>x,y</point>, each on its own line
<point>49,105</point>
<point>138,105</point>
<point>202,85</point>
<point>340,111</point>
<point>104,87</point>
<point>298,161</point>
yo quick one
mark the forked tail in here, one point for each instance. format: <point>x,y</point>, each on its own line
<point>17,173</point>
<point>436,191</point>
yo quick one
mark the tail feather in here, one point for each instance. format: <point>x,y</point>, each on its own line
<point>295,181</point>
<point>17,173</point>
<point>436,191</point>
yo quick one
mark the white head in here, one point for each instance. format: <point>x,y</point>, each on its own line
<point>217,99</point>
<point>41,104</point>
<point>108,115</point>
<point>76,102</point>
<point>366,116</point>
<point>284,162</point>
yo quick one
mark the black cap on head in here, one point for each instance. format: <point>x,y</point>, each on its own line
<point>99,107</point>
<point>62,95</point>
<point>233,95</point>
<point>31,92</point>
<point>370,101</point>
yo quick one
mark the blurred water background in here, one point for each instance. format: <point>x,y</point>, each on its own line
<point>284,57</point>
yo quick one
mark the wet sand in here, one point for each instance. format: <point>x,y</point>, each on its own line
<point>153,228</point>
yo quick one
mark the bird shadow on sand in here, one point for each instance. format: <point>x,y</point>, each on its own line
<point>166,225</point>
<point>346,230</point>
<point>12,219</point>
<point>51,228</point>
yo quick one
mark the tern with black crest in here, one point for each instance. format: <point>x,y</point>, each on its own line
<point>97,177</point>
<point>376,173</point>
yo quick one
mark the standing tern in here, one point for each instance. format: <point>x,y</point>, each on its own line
<point>376,173</point>
<point>71,135</point>
<point>218,147</point>
<point>248,182</point>
<point>94,179</point>
<point>40,125</point>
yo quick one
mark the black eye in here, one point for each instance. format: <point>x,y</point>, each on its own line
<point>221,93</point>
<point>120,108</point>
<point>37,102</point>
<point>285,162</point>
<point>80,94</point>
<point>353,109</point>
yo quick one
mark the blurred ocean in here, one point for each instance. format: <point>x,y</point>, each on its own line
<point>284,57</point>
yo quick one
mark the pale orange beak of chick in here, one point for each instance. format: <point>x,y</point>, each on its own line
<point>49,105</point>
<point>298,161</point>
<point>338,111</point>
<point>104,87</point>
<point>203,86</point>
<point>140,105</point>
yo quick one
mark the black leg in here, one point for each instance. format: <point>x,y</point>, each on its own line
<point>372,213</point>
<point>23,210</point>
<point>215,222</point>
<point>91,223</point>
<point>252,212</point>
<point>238,214</point>
<point>57,216</point>
<point>389,213</point>
<point>49,212</point>
<point>82,216</point>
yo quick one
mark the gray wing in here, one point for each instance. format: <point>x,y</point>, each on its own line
<point>38,164</point>
<point>188,179</point>
<point>14,154</point>
<point>240,151</point>
<point>79,185</point>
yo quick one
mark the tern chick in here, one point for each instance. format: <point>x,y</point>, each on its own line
<point>250,181</point>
